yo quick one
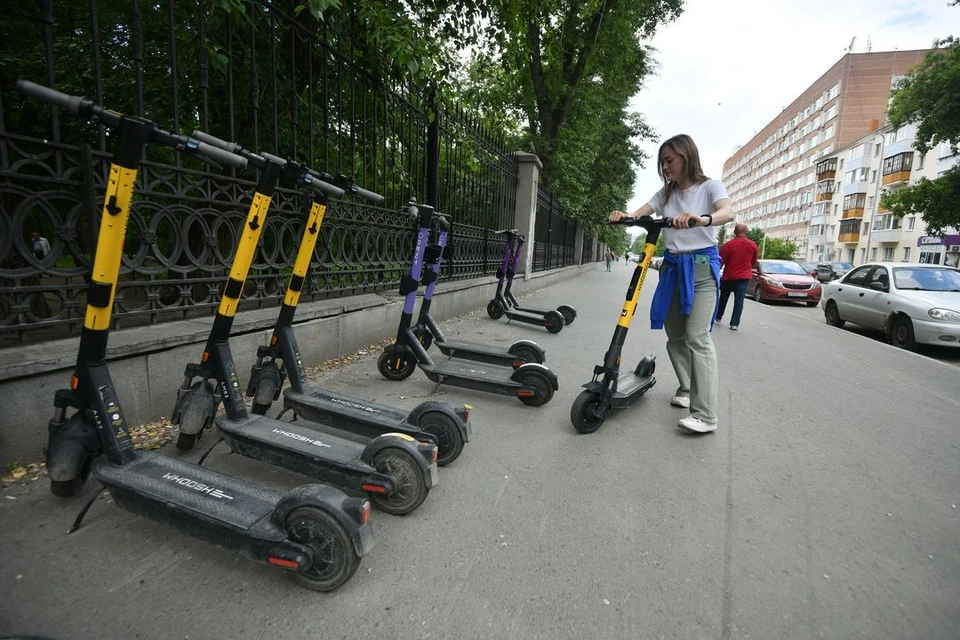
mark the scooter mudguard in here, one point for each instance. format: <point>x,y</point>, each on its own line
<point>519,371</point>
<point>70,448</point>
<point>529,343</point>
<point>344,509</point>
<point>444,407</point>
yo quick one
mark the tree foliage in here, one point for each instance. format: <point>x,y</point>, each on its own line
<point>928,96</point>
<point>772,248</point>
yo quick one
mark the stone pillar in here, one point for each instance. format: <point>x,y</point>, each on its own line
<point>525,214</point>
<point>578,245</point>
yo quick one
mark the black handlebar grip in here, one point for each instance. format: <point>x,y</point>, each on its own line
<point>220,156</point>
<point>369,196</point>
<point>274,159</point>
<point>50,96</point>
<point>323,187</point>
<point>214,141</point>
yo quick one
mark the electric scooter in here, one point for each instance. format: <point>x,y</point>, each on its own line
<point>315,531</point>
<point>429,332</point>
<point>429,421</point>
<point>395,470</point>
<point>533,383</point>
<point>505,304</point>
<point>610,389</point>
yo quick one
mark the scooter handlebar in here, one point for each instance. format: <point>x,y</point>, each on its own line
<point>51,96</point>
<point>214,141</point>
<point>220,156</point>
<point>321,186</point>
<point>369,196</point>
<point>647,221</point>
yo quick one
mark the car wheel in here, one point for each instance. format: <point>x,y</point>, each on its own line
<point>758,294</point>
<point>901,333</point>
<point>832,315</point>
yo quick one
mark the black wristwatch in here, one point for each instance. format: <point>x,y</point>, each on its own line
<point>709,218</point>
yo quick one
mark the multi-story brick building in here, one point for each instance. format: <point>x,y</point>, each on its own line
<point>772,179</point>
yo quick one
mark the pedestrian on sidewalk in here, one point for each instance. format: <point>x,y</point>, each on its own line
<point>608,256</point>
<point>738,257</point>
<point>685,300</point>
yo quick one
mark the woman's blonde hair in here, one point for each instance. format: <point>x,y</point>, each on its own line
<point>684,146</point>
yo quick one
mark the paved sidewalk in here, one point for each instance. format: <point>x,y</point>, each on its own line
<point>826,506</point>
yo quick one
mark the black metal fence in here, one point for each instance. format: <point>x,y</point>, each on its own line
<point>554,235</point>
<point>269,77</point>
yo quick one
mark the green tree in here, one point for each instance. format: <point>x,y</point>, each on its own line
<point>927,96</point>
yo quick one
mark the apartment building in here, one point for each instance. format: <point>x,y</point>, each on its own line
<point>772,179</point>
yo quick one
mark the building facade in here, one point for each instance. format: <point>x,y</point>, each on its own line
<point>773,179</point>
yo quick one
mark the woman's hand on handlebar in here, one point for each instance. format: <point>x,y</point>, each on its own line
<point>617,216</point>
<point>688,221</point>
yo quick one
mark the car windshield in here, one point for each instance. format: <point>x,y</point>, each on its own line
<point>845,266</point>
<point>926,278</point>
<point>786,268</point>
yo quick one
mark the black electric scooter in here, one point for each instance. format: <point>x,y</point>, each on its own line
<point>316,531</point>
<point>429,332</point>
<point>610,389</point>
<point>395,470</point>
<point>430,421</point>
<point>534,384</point>
<point>505,304</point>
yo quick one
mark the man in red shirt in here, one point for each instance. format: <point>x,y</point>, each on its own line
<point>738,257</point>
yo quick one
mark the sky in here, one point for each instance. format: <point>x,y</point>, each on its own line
<point>729,67</point>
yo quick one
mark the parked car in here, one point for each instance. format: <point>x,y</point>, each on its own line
<point>809,267</point>
<point>910,303</point>
<point>827,271</point>
<point>783,280</point>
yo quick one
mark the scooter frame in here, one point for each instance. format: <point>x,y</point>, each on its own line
<point>394,469</point>
<point>430,421</point>
<point>533,384</point>
<point>505,304</point>
<point>315,530</point>
<point>610,389</point>
<point>429,332</point>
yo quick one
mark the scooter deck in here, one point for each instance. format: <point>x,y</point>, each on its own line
<point>630,386</point>
<point>288,440</point>
<point>206,493</point>
<point>453,346</point>
<point>470,370</point>
<point>343,412</point>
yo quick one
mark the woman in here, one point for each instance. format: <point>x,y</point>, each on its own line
<point>686,296</point>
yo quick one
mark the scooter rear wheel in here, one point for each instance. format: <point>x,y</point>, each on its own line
<point>410,490</point>
<point>543,389</point>
<point>569,313</point>
<point>554,321</point>
<point>449,439</point>
<point>586,413</point>
<point>527,353</point>
<point>334,558</point>
<point>396,366</point>
<point>495,309</point>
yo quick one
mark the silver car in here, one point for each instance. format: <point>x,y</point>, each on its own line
<point>911,303</point>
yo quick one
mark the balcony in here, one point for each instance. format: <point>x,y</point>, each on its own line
<point>896,178</point>
<point>849,231</point>
<point>887,236</point>
<point>824,197</point>
<point>827,170</point>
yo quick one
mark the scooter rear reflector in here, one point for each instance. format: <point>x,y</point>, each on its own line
<point>283,562</point>
<point>74,382</point>
<point>373,488</point>
<point>364,512</point>
<point>524,394</point>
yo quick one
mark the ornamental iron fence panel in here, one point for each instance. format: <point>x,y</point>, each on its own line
<point>256,72</point>
<point>554,235</point>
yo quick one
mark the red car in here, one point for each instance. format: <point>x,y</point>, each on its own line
<point>783,280</point>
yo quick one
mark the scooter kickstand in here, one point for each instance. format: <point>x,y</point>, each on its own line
<point>83,512</point>
<point>207,452</point>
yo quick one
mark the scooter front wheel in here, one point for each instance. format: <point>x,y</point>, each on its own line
<point>554,321</point>
<point>569,313</point>
<point>542,388</point>
<point>410,489</point>
<point>334,558</point>
<point>495,309</point>
<point>526,353</point>
<point>263,398</point>
<point>587,414</point>
<point>395,364</point>
<point>449,439</point>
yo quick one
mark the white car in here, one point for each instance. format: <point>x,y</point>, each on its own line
<point>910,303</point>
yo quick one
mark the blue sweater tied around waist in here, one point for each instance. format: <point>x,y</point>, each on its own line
<point>678,267</point>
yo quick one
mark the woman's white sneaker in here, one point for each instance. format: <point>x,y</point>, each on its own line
<point>680,401</point>
<point>697,425</point>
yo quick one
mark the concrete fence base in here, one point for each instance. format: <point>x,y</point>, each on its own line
<point>147,363</point>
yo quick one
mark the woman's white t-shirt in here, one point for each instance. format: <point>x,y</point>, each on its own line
<point>697,200</point>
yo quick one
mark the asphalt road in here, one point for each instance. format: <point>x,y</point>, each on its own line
<point>826,506</point>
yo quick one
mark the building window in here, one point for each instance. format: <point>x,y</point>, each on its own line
<point>888,254</point>
<point>873,254</point>
<point>911,223</point>
<point>898,163</point>
<point>920,160</point>
<point>906,254</point>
